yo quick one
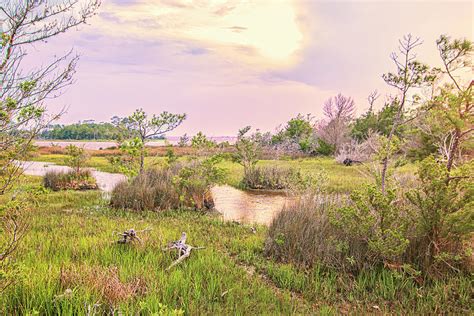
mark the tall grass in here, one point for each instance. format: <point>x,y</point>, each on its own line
<point>302,233</point>
<point>267,178</point>
<point>172,187</point>
<point>150,190</point>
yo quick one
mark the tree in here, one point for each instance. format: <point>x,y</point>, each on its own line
<point>453,107</point>
<point>339,111</point>
<point>410,74</point>
<point>380,122</point>
<point>23,92</point>
<point>200,141</point>
<point>158,125</point>
<point>298,131</point>
<point>77,158</point>
<point>248,151</point>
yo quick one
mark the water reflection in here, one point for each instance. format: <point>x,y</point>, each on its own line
<point>247,206</point>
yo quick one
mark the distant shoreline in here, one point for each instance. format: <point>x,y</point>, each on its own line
<point>104,144</point>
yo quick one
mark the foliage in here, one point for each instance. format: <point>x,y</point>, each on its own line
<point>200,141</point>
<point>299,131</point>
<point>184,141</point>
<point>128,162</point>
<point>380,122</point>
<point>410,74</point>
<point>248,150</point>
<point>444,203</point>
<point>170,156</point>
<point>72,180</point>
<point>325,149</point>
<point>194,181</point>
<point>375,220</point>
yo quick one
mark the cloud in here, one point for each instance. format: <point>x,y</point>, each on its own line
<point>269,31</point>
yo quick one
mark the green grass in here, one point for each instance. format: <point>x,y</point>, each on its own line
<point>230,276</point>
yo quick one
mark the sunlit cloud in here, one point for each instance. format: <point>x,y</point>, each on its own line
<point>265,34</point>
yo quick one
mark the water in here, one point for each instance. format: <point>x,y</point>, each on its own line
<point>247,206</point>
<point>235,205</point>
<point>92,145</point>
<point>97,145</point>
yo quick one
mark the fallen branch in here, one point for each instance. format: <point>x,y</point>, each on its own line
<point>184,250</point>
<point>130,235</point>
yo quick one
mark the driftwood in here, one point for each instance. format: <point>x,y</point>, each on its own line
<point>184,250</point>
<point>130,236</point>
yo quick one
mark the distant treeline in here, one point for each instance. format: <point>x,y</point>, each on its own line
<point>81,131</point>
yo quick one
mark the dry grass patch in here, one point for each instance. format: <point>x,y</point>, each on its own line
<point>104,281</point>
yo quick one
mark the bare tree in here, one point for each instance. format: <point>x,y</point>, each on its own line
<point>23,92</point>
<point>339,111</point>
<point>372,97</point>
<point>409,74</point>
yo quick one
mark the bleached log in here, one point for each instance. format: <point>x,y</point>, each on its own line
<point>184,250</point>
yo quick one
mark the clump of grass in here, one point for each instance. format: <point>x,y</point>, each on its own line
<point>179,185</point>
<point>71,180</point>
<point>150,190</point>
<point>104,281</point>
<point>267,177</point>
<point>303,234</point>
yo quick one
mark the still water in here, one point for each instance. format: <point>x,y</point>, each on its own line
<point>235,205</point>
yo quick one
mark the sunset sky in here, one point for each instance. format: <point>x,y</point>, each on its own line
<point>228,64</point>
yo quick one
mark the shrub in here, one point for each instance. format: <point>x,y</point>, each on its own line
<point>444,215</point>
<point>375,220</point>
<point>71,180</point>
<point>179,185</point>
<point>77,158</point>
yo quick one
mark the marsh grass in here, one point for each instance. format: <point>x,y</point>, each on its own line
<point>70,180</point>
<point>70,246</point>
<point>268,178</point>
<point>303,234</point>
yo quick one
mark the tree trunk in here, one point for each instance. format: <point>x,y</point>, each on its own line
<point>142,160</point>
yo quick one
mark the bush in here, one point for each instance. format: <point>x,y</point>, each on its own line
<point>179,185</point>
<point>444,210</point>
<point>71,180</point>
<point>76,158</point>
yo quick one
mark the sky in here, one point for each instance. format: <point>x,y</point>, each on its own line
<point>228,64</point>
